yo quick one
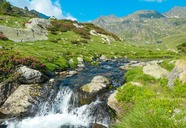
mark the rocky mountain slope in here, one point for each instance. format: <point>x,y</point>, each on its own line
<point>145,26</point>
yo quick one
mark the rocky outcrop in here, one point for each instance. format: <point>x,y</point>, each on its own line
<point>114,104</point>
<point>105,38</point>
<point>35,30</point>
<point>97,84</point>
<point>7,87</point>
<point>30,76</point>
<point>153,69</point>
<point>179,72</point>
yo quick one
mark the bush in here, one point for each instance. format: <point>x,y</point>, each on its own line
<point>3,37</point>
<point>10,60</point>
<point>5,7</point>
<point>182,47</point>
<point>79,41</point>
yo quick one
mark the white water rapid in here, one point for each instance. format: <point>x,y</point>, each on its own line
<point>63,113</point>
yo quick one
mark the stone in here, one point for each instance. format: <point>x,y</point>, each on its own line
<point>133,62</point>
<point>100,79</point>
<point>115,104</point>
<point>18,101</point>
<point>7,87</point>
<point>81,65</point>
<point>72,73</point>
<point>96,125</point>
<point>26,98</point>
<point>125,67</point>
<point>30,76</point>
<point>154,70</point>
<point>179,71</point>
<point>103,58</point>
<point>64,73</point>
<point>80,59</point>
<point>98,83</point>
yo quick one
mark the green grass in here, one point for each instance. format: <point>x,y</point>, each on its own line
<point>13,21</point>
<point>59,49</point>
<point>151,105</point>
<point>174,40</point>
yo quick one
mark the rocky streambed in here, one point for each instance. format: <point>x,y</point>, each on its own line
<point>75,99</point>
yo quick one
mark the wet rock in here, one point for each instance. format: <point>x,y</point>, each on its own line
<point>30,76</point>
<point>88,92</point>
<point>154,70</point>
<point>95,125</point>
<point>7,87</point>
<point>71,73</point>
<point>25,100</point>
<point>115,104</point>
<point>18,101</point>
<point>97,84</point>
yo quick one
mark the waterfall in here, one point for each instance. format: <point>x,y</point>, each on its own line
<point>65,112</point>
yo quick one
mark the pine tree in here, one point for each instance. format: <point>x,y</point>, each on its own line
<point>5,7</point>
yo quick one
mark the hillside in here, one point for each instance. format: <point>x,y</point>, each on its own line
<point>145,26</point>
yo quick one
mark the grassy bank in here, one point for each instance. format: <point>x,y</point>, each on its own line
<point>151,104</point>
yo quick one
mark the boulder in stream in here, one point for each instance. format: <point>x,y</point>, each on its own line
<point>88,92</point>
<point>97,84</point>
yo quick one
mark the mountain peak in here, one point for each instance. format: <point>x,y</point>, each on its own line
<point>145,14</point>
<point>176,12</point>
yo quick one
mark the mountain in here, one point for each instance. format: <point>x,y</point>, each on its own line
<point>40,15</point>
<point>144,26</point>
<point>176,12</point>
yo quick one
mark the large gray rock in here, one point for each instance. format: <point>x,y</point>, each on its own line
<point>179,72</point>
<point>97,84</point>
<point>90,91</point>
<point>154,70</point>
<point>35,30</point>
<point>30,76</point>
<point>27,98</point>
<point>7,87</point>
<point>18,102</point>
<point>115,104</point>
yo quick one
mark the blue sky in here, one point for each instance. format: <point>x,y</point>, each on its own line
<point>84,10</point>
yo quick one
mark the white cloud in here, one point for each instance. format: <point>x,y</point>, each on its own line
<point>46,7</point>
<point>159,1</point>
